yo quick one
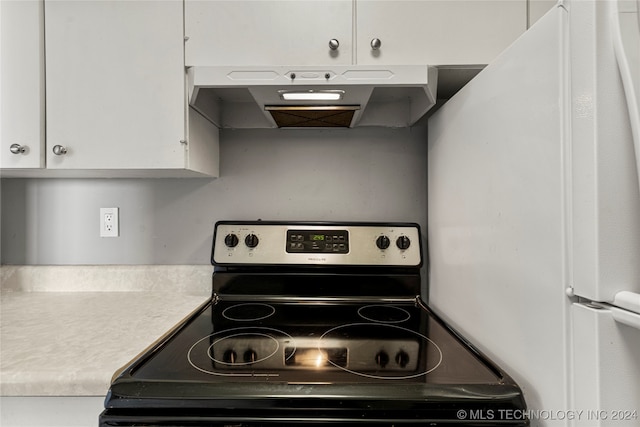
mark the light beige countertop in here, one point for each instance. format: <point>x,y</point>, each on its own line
<point>69,340</point>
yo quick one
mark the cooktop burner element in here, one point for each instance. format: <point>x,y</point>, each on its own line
<point>227,352</point>
<point>306,322</point>
<point>392,359</point>
<point>384,314</point>
<point>249,312</point>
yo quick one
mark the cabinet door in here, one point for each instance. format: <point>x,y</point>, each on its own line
<point>537,9</point>
<point>268,32</point>
<point>21,84</point>
<point>437,32</point>
<point>115,84</point>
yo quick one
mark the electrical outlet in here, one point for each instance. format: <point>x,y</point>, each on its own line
<point>109,222</point>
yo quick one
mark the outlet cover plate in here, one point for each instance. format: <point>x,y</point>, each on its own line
<point>109,222</point>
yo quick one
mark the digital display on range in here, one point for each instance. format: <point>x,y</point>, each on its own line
<point>318,241</point>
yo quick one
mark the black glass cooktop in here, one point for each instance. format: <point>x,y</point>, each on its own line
<point>316,342</point>
<point>260,359</point>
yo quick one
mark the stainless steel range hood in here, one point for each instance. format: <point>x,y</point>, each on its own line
<point>259,97</point>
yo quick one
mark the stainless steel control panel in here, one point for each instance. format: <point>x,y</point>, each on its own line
<point>317,244</point>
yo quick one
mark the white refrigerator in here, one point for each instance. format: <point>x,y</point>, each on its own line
<point>534,213</point>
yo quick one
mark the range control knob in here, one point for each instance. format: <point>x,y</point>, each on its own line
<point>231,240</point>
<point>250,356</point>
<point>230,357</point>
<point>251,240</point>
<point>383,242</point>
<point>403,242</point>
<point>382,359</point>
<point>402,358</point>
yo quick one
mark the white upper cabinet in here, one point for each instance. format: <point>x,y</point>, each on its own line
<point>368,32</point>
<point>266,32</point>
<point>437,32</point>
<point>21,84</point>
<point>115,96</point>
<point>115,83</point>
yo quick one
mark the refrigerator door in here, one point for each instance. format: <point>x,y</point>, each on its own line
<point>497,178</point>
<point>605,207</point>
<point>626,44</point>
<point>533,202</point>
<point>606,364</point>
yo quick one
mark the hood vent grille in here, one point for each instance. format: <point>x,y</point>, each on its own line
<point>312,116</point>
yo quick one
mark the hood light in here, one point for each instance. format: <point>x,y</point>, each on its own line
<point>312,95</point>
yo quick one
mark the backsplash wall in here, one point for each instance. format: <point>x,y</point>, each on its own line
<point>362,174</point>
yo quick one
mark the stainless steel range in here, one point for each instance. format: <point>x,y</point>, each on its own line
<point>313,323</point>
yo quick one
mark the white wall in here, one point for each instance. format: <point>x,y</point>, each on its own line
<point>368,174</point>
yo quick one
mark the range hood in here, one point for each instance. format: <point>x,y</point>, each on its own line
<point>297,97</point>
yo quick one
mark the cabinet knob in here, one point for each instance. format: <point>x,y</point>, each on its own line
<point>18,149</point>
<point>376,43</point>
<point>334,44</point>
<point>59,150</point>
